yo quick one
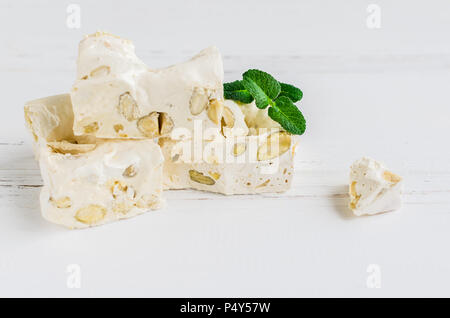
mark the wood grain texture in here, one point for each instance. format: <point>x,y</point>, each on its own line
<point>381,93</point>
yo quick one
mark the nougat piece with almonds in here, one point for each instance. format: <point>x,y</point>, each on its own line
<point>242,165</point>
<point>90,181</point>
<point>116,95</point>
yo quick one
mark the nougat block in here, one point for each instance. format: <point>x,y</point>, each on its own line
<point>90,181</point>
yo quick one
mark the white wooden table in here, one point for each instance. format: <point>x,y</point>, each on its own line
<point>377,92</point>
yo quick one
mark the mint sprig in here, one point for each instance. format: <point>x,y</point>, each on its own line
<point>262,86</point>
<point>236,91</point>
<point>267,91</point>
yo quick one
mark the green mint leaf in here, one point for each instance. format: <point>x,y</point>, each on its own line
<point>288,115</point>
<point>236,91</point>
<point>288,90</point>
<point>262,86</point>
<point>266,90</point>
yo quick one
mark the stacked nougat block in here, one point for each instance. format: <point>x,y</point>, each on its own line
<point>90,181</point>
<point>126,132</point>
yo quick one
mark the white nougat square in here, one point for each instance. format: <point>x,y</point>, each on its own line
<point>90,181</point>
<point>243,165</point>
<point>117,96</point>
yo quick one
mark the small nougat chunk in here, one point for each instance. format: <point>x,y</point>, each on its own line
<point>240,165</point>
<point>116,180</point>
<point>373,189</point>
<point>116,95</point>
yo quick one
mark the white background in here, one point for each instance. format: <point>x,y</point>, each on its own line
<point>377,92</point>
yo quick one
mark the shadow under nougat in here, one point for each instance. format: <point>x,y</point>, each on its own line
<point>340,202</point>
